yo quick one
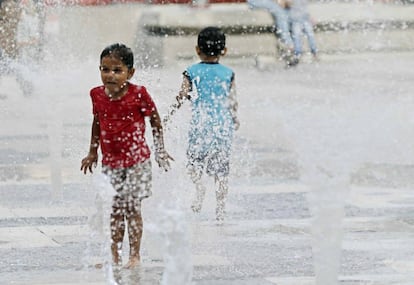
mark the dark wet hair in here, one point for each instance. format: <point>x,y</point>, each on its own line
<point>211,41</point>
<point>120,51</point>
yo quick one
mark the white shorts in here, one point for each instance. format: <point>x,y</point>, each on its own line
<point>132,184</point>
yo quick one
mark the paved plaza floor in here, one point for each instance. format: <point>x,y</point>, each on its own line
<point>351,112</point>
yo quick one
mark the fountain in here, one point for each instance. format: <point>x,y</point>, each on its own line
<point>98,222</point>
<point>333,137</point>
<point>322,137</point>
<point>346,124</point>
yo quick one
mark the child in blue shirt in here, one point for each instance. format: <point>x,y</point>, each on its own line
<point>214,116</point>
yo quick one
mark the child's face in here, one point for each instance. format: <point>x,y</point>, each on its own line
<point>115,75</point>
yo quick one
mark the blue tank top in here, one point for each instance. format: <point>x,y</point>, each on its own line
<point>211,127</point>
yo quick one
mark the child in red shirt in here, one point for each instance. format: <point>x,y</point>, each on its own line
<point>119,109</point>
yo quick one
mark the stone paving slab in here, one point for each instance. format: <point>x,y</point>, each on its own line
<point>13,238</point>
<point>376,235</point>
<point>51,211</point>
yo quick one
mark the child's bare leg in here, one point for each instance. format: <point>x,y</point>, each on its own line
<point>135,227</point>
<point>117,236</point>
<point>200,191</point>
<point>221,197</point>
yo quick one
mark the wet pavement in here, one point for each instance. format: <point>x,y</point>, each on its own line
<point>45,236</point>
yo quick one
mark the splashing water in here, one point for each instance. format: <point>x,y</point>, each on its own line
<point>99,223</point>
<point>332,137</point>
<point>171,226</point>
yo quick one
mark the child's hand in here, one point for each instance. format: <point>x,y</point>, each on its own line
<point>88,162</point>
<point>163,159</point>
<point>236,123</point>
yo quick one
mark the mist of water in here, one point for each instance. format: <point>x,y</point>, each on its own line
<point>332,138</point>
<point>99,224</point>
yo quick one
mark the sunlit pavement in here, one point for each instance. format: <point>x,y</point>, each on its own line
<point>266,238</point>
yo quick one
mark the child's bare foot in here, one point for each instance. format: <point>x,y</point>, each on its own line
<point>132,262</point>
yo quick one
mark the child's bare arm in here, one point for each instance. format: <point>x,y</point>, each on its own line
<point>234,105</point>
<point>92,158</point>
<point>161,155</point>
<point>182,95</point>
<point>184,91</point>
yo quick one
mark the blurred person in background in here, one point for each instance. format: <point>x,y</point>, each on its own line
<point>28,35</point>
<point>10,12</point>
<point>280,15</point>
<point>10,15</point>
<point>301,24</point>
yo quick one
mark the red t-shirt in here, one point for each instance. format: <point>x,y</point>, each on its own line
<point>122,125</point>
